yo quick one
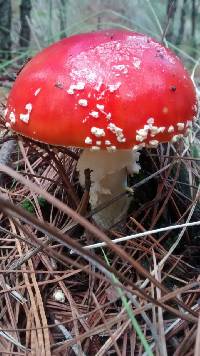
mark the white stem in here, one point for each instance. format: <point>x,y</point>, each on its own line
<point>109,177</point>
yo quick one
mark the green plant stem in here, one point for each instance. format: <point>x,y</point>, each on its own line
<point>129,311</point>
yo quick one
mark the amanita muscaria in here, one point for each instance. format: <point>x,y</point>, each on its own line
<point>109,92</point>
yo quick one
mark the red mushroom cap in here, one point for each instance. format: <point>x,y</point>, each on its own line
<point>109,89</point>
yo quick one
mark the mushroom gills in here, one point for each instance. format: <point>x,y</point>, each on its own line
<point>108,177</point>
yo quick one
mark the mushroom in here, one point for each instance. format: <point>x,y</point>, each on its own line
<point>111,93</point>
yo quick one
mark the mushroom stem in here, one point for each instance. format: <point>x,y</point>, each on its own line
<point>109,177</point>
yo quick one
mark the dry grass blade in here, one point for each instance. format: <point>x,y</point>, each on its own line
<point>116,336</point>
<point>160,320</point>
<point>68,336</point>
<point>12,340</point>
<point>197,342</point>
